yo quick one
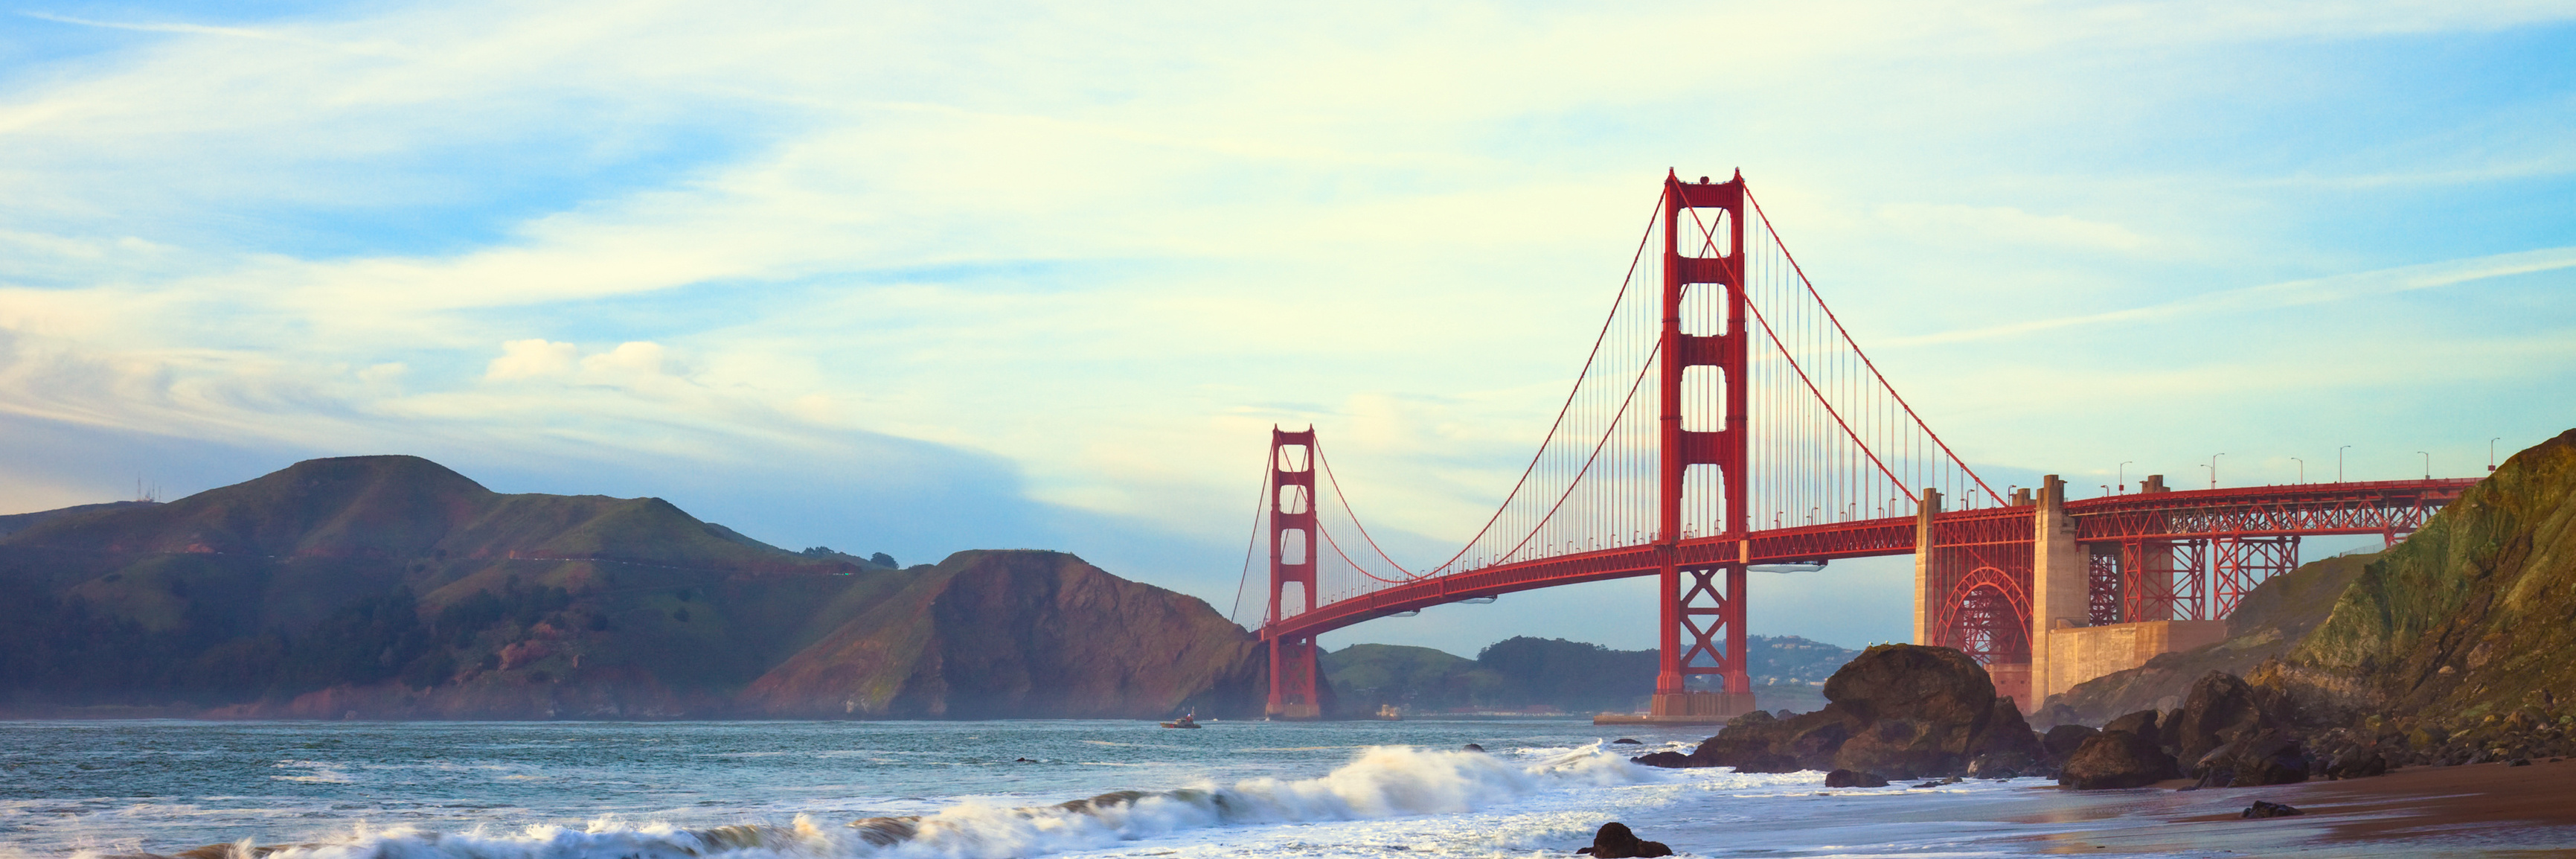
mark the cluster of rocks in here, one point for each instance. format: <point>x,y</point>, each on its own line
<point>1903,712</point>
<point>1897,711</point>
<point>2227,733</point>
<point>2537,731</point>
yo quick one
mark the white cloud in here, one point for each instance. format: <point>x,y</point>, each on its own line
<point>2278,296</point>
<point>1113,244</point>
<point>635,358</point>
<point>527,359</point>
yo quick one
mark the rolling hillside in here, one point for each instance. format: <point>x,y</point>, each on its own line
<point>390,586</point>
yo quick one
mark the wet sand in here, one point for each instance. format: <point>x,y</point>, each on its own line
<point>2474,810</point>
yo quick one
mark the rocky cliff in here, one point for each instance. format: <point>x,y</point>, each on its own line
<point>393,587</point>
<point>2476,613</point>
<point>2457,645</point>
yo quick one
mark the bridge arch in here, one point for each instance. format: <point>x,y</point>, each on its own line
<point>1987,616</point>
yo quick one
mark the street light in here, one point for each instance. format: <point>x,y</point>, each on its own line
<point>2124,475</point>
<point>2303,468</point>
<point>2428,465</point>
<point>2213,469</point>
<point>2339,462</point>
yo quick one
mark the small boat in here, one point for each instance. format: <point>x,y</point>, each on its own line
<point>1189,720</point>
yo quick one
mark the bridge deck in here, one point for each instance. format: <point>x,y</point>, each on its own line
<point>2318,509</point>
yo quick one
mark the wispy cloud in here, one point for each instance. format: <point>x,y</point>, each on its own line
<point>253,33</point>
<point>2275,296</point>
<point>1095,248</point>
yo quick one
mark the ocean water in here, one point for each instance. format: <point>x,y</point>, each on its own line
<point>613,790</point>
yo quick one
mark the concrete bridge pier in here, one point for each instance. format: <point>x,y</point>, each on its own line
<point>2060,584</point>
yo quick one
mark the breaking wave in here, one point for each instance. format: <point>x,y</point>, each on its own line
<point>1384,781</point>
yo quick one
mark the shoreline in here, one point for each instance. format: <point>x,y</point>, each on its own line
<point>2491,808</point>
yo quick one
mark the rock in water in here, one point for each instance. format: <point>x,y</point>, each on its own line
<point>1614,841</point>
<point>2006,747</point>
<point>1848,778</point>
<point>1915,711</point>
<point>2269,809</point>
<point>1668,760</point>
<point>1930,684</point>
<point>1471,747</point>
<point>2117,759</point>
<point>1625,741</point>
<point>1899,710</point>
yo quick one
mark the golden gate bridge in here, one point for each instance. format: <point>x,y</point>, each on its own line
<point>1725,419</point>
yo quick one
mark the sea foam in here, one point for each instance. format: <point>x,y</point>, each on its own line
<point>1381,782</point>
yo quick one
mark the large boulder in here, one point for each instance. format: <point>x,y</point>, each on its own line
<point>2220,710</point>
<point>2006,747</point>
<point>1918,711</point>
<point>1936,685</point>
<point>1900,710</point>
<point>2141,723</point>
<point>2266,757</point>
<point>1758,742</point>
<point>2357,762</point>
<point>2117,759</point>
<point>1899,748</point>
<point>2062,740</point>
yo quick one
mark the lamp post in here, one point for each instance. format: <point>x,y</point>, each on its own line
<point>2124,475</point>
<point>2213,469</point>
<point>2303,468</point>
<point>2428,465</point>
<point>2339,462</point>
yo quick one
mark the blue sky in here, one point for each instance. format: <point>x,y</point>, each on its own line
<point>920,278</point>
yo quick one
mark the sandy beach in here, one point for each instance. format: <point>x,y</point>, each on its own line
<point>2479,809</point>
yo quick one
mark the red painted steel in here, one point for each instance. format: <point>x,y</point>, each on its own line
<point>2102,588</point>
<point>2244,562</point>
<point>1696,617</point>
<point>2334,508</point>
<point>1610,494</point>
<point>1293,667</point>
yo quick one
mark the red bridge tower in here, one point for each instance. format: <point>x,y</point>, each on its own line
<point>1292,562</point>
<point>1697,613</point>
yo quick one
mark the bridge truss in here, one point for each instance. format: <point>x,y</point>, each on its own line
<point>1721,391</point>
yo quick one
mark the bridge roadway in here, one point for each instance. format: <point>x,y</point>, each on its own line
<point>2307,510</point>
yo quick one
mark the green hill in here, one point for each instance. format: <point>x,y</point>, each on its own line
<point>2475,614</point>
<point>1518,674</point>
<point>2467,621</point>
<point>392,586</point>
